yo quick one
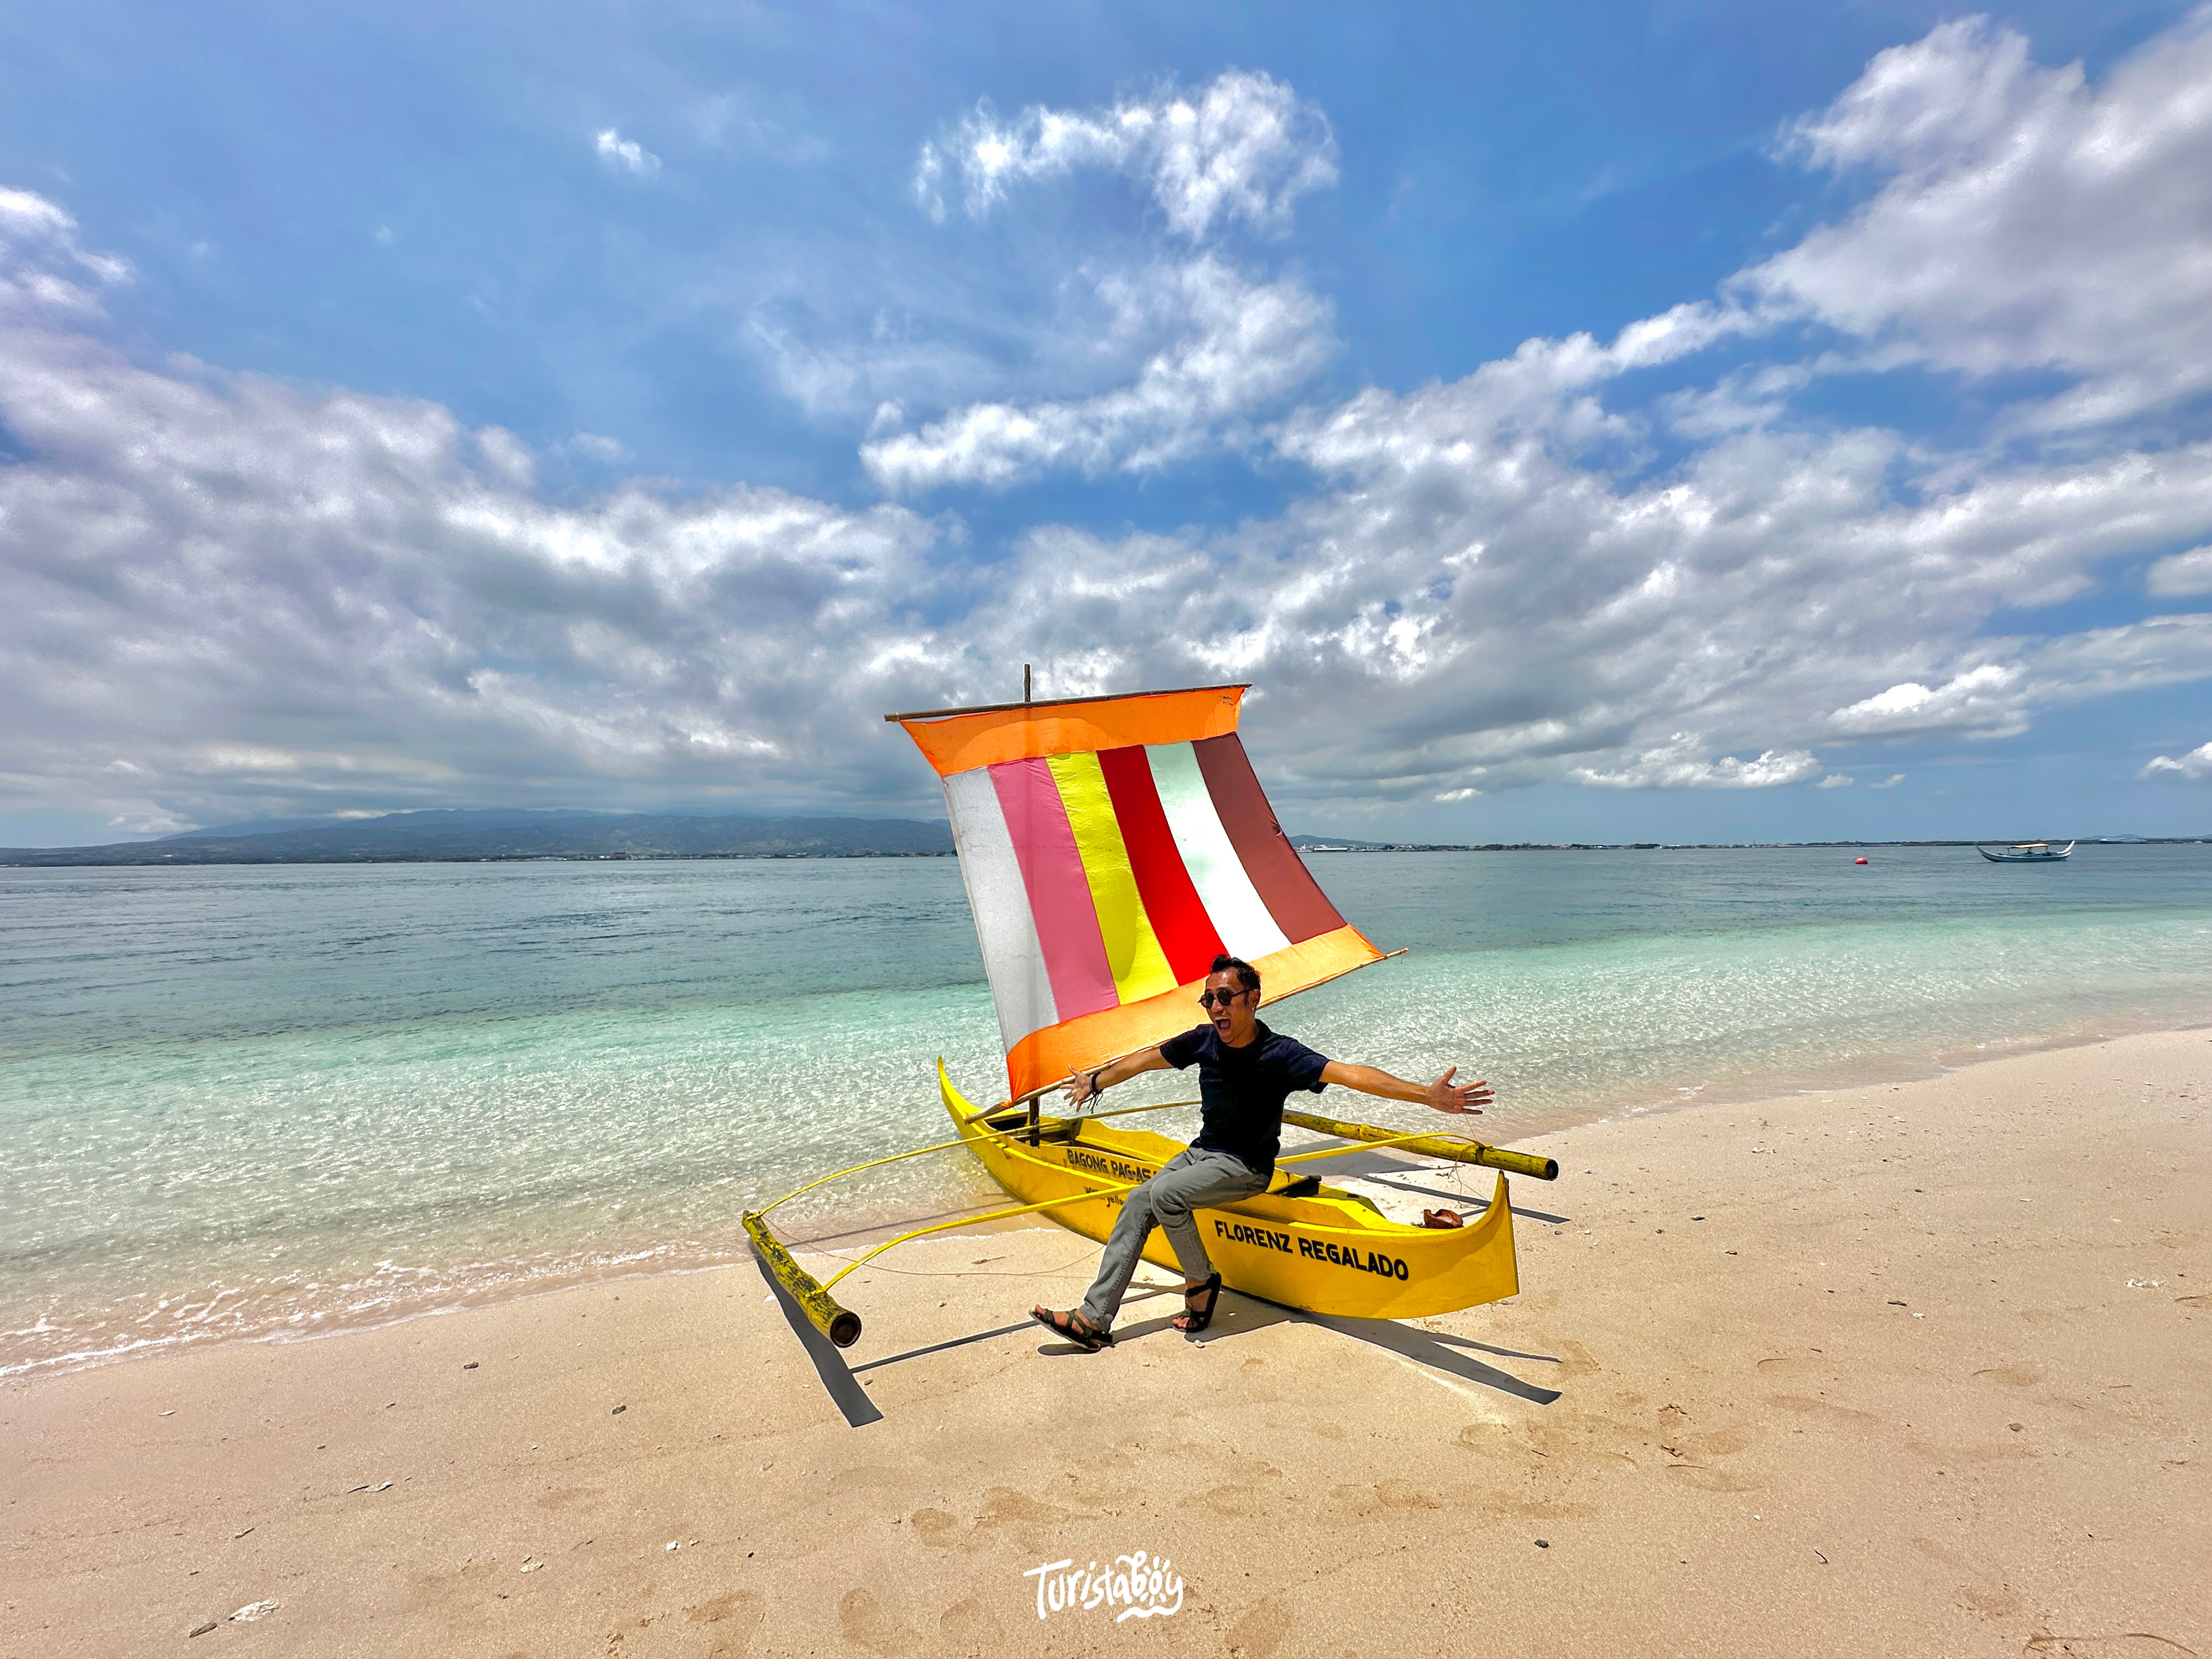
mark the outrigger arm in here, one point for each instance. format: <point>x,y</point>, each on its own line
<point>1459,1151</point>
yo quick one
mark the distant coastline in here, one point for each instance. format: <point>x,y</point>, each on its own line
<point>495,836</point>
<point>1334,844</point>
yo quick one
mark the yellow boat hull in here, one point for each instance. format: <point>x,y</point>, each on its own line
<point>1327,1253</point>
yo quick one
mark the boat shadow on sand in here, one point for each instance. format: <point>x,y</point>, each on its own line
<point>1238,1315</point>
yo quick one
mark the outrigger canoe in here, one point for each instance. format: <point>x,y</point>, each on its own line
<point>1324,1250</point>
<point>2028,852</point>
<point>1111,848</point>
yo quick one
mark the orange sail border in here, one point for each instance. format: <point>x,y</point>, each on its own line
<point>959,740</point>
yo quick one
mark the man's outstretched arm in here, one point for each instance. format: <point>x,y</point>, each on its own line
<point>1443,1095</point>
<point>1081,1086</point>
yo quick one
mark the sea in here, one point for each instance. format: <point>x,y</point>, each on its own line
<point>270,1103</point>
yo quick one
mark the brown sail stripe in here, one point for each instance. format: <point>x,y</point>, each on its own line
<point>1300,908</point>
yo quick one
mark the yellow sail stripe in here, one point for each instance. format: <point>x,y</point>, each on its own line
<point>1132,950</point>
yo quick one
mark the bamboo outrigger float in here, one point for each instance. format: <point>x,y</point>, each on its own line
<point>1111,847</point>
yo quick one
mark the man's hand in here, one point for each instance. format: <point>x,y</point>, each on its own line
<point>1445,1096</point>
<point>1083,1086</point>
<point>1442,1094</point>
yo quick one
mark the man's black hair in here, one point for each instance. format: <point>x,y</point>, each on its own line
<point>1248,977</point>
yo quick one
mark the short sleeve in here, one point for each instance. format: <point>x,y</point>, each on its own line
<point>1299,1065</point>
<point>1181,1051</point>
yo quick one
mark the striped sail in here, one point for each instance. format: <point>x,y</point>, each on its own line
<point>1112,847</point>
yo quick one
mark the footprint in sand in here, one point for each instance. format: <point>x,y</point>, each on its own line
<point>738,1614</point>
<point>862,1621</point>
<point>972,1625</point>
<point>1260,1633</point>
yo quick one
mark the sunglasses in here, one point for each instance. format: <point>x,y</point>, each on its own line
<point>1207,999</point>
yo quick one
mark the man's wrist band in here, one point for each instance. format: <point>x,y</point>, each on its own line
<point>1094,1080</point>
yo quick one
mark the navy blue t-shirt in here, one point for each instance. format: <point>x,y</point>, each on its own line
<point>1242,1089</point>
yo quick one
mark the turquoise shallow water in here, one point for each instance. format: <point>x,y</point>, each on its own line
<point>242,1101</point>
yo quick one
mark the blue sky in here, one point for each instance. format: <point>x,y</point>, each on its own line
<point>1627,422</point>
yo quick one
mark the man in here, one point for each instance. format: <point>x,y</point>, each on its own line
<point>1244,1073</point>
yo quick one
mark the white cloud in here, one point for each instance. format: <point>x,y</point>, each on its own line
<point>1470,547</point>
<point>1680,765</point>
<point>1248,344</point>
<point>926,342</point>
<point>929,181</point>
<point>1977,701</point>
<point>598,447</point>
<point>2029,222</point>
<point>244,757</point>
<point>1835,780</point>
<point>1242,149</point>
<point>2195,766</point>
<point>50,276</point>
<point>2182,574</point>
<point>2102,662</point>
<point>1203,345</point>
<point>1889,782</point>
<point>626,153</point>
<point>154,823</point>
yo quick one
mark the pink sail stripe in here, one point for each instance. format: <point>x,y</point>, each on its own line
<point>1060,892</point>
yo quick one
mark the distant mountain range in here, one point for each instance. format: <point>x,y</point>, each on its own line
<point>495,833</point>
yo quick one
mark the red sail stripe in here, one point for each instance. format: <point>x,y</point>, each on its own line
<point>1285,886</point>
<point>1178,916</point>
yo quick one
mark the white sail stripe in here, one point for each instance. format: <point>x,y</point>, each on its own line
<point>1012,957</point>
<point>1239,914</point>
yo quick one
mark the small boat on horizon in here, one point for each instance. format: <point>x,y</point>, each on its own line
<point>2026,852</point>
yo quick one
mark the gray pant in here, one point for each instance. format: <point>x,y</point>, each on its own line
<point>1190,1180</point>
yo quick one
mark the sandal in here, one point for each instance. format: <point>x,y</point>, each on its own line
<point>1074,1326</point>
<point>1191,1321</point>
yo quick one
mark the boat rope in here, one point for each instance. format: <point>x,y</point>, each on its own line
<point>970,1271</point>
<point>977,1220</point>
<point>839,1174</point>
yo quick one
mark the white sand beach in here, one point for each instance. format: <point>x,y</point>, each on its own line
<point>1915,1370</point>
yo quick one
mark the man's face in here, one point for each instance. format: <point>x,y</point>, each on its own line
<point>1230,1006</point>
